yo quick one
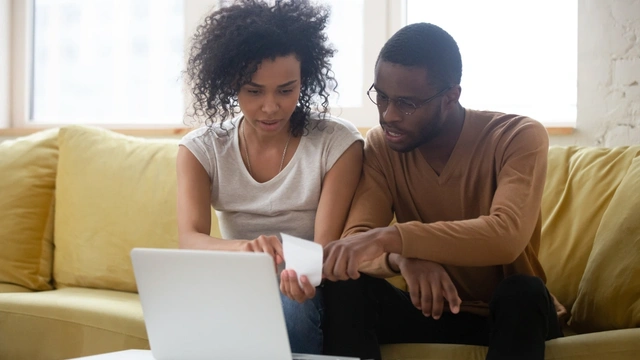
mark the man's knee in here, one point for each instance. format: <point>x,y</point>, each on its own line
<point>345,290</point>
<point>521,291</point>
<point>524,288</point>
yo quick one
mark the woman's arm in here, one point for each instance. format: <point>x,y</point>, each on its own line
<point>194,206</point>
<point>338,187</point>
<point>194,213</point>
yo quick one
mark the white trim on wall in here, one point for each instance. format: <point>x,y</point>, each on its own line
<point>5,62</point>
<point>21,34</point>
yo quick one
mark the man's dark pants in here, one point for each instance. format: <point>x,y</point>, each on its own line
<point>362,314</point>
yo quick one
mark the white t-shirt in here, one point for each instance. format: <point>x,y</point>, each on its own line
<point>287,203</point>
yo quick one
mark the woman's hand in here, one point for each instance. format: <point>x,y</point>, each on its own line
<point>266,244</point>
<point>290,286</point>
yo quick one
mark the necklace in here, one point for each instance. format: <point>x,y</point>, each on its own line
<point>246,150</point>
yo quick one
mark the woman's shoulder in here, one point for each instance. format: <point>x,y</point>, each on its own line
<point>211,133</point>
<point>326,124</point>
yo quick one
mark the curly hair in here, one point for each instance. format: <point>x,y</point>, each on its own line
<point>230,44</point>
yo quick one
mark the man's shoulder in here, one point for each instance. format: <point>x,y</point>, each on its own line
<point>503,131</point>
<point>501,127</point>
<point>500,121</point>
<point>375,136</point>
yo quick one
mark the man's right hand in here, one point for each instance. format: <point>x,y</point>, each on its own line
<point>429,285</point>
<point>266,244</point>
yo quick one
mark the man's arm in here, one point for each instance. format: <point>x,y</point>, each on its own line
<point>372,208</point>
<point>495,239</point>
<point>500,237</point>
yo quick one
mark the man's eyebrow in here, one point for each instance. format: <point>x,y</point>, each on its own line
<point>288,83</point>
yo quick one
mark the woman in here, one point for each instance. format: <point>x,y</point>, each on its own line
<point>276,167</point>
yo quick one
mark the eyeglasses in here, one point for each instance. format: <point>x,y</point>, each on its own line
<point>404,106</point>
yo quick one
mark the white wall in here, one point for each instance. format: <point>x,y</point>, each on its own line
<point>608,74</point>
<point>5,44</point>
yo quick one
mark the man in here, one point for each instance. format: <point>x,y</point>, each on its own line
<point>465,187</point>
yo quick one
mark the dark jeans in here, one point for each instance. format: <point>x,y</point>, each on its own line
<point>362,314</point>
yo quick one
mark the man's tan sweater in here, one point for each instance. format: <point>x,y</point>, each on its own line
<point>480,218</point>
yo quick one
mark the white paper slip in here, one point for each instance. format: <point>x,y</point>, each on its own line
<point>303,256</point>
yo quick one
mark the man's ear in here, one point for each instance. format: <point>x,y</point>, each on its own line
<point>451,98</point>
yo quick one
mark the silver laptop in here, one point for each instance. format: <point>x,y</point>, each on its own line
<point>212,305</point>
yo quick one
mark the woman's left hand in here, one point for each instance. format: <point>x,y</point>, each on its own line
<point>290,286</point>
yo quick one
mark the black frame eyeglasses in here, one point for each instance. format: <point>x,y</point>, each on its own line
<point>403,105</point>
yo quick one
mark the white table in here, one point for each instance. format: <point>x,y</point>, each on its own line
<point>146,355</point>
<point>122,355</point>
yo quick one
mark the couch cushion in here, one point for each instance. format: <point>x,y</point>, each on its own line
<point>8,288</point>
<point>114,193</point>
<point>609,293</point>
<point>28,167</point>
<point>619,345</point>
<point>580,184</point>
<point>68,323</point>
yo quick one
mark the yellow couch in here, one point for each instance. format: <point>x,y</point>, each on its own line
<point>74,201</point>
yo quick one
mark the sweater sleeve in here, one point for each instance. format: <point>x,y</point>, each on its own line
<point>502,235</point>
<point>372,207</point>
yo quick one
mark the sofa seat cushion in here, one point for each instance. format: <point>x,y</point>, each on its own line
<point>11,288</point>
<point>615,344</point>
<point>70,322</point>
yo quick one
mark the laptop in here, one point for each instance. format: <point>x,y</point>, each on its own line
<point>201,304</point>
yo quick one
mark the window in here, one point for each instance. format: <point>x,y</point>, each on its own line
<point>120,63</point>
<point>347,15</point>
<point>107,62</point>
<point>517,56</point>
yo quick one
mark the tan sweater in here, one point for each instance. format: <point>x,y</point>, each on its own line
<point>480,218</point>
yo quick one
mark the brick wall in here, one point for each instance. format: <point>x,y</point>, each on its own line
<point>608,74</point>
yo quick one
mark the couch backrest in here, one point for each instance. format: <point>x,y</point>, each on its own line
<point>27,184</point>
<point>582,186</point>
<point>113,193</point>
<point>116,192</point>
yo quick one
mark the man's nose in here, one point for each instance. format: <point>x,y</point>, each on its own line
<point>391,113</point>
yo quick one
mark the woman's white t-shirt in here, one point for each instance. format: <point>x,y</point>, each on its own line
<point>288,202</point>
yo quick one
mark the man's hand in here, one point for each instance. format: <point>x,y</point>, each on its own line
<point>561,311</point>
<point>342,258</point>
<point>290,286</point>
<point>429,285</point>
<point>266,244</point>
